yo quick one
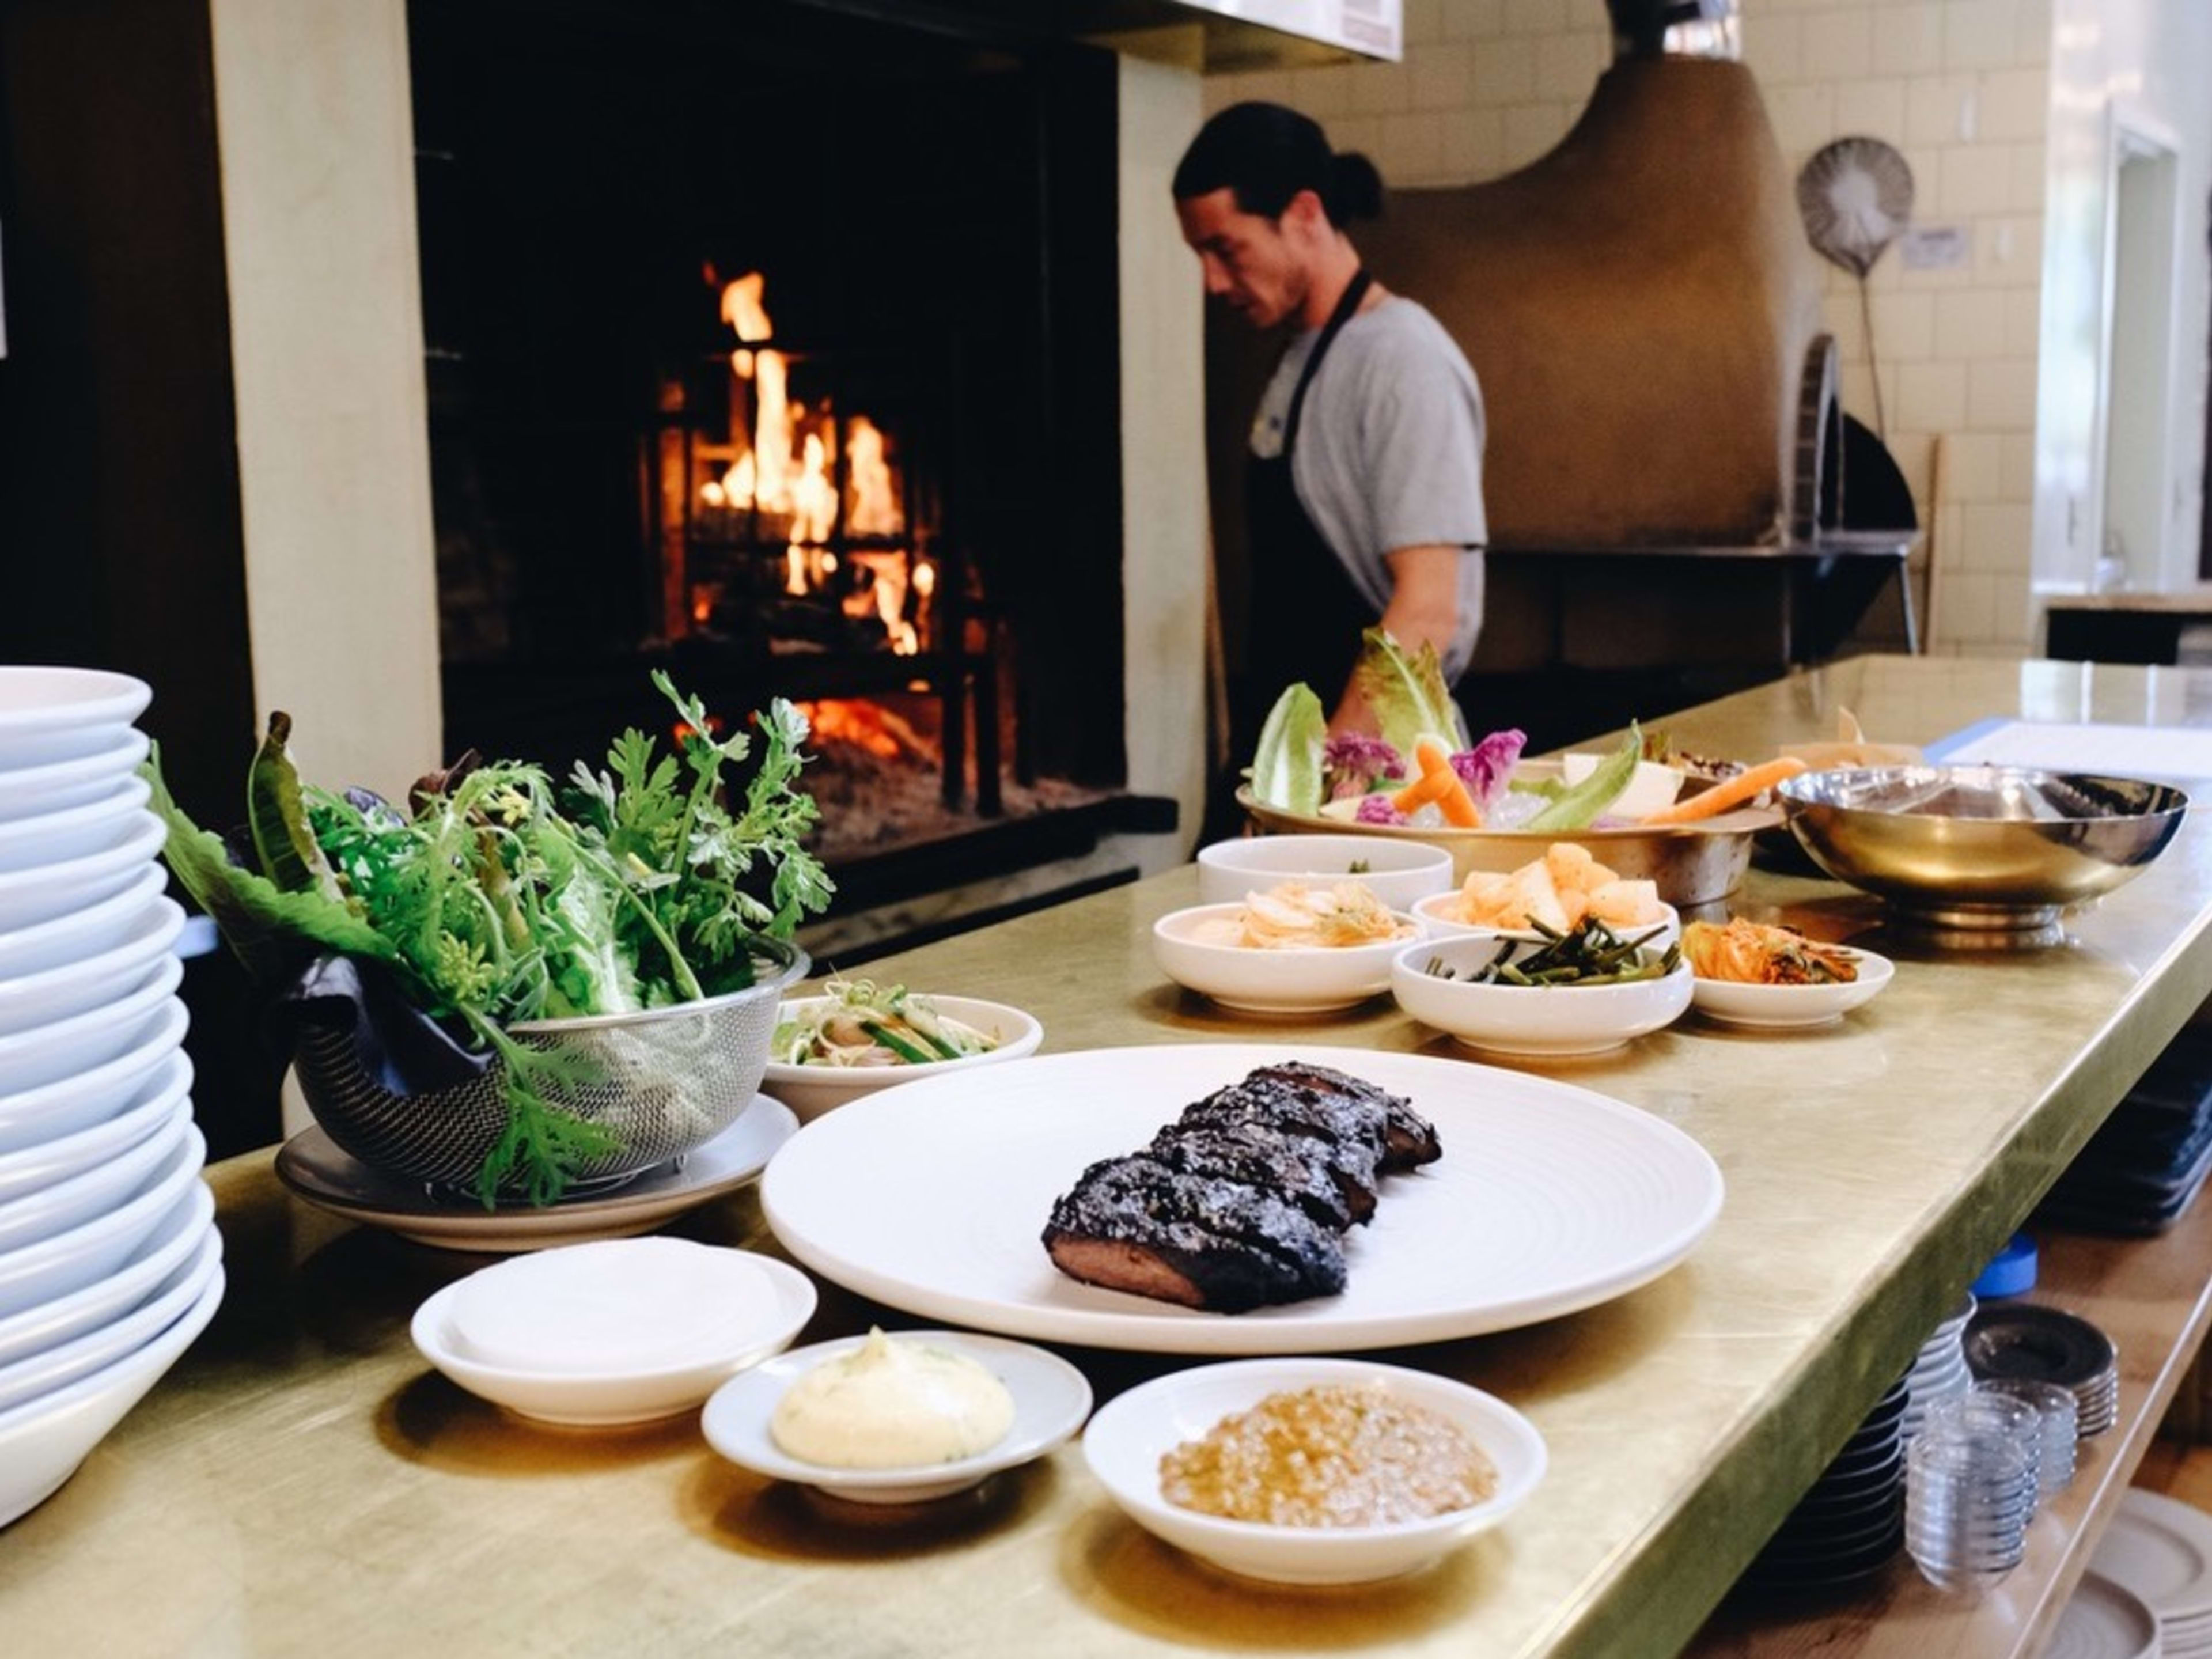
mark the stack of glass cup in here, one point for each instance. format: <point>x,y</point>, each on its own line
<point>1971,1488</point>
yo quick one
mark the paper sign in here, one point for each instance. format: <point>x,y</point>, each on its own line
<point>1936,248</point>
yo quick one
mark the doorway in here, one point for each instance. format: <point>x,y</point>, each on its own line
<point>2139,547</point>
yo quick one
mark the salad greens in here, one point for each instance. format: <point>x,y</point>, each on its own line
<point>1406,693</point>
<point>493,906</point>
<point>1286,766</point>
<point>1578,805</point>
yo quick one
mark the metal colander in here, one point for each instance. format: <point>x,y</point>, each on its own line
<point>664,1081</point>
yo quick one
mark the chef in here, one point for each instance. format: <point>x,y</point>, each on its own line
<point>1363,495</point>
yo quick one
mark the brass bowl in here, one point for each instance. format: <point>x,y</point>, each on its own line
<point>1989,849</point>
<point>1691,864</point>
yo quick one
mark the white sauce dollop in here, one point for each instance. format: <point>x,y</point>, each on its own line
<point>889,1404</point>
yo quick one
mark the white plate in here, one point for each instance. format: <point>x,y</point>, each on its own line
<point>175,1237</point>
<point>1051,1400</point>
<point>1792,1007</point>
<point>59,1367</point>
<point>1130,1434</point>
<point>82,932</point>
<point>35,697</point>
<point>1548,1198</point>
<point>44,1440</point>
<point>62,1049</point>
<point>2161,1550</point>
<point>46,839</point>
<point>95,981</point>
<point>754,1306</point>
<point>65,783</point>
<point>41,1213</point>
<point>124,849</point>
<point>1317,981</point>
<point>68,1261</point>
<point>33,1169</point>
<point>2104,1620</point>
<point>811,1091</point>
<point>311,1164</point>
<point>154,1061</point>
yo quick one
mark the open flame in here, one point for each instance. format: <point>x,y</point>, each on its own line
<point>866,725</point>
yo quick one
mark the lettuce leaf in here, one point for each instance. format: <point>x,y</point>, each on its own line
<point>1406,693</point>
<point>1287,765</point>
<point>1579,806</point>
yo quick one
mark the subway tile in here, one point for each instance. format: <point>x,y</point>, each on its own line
<point>1941,109</point>
<point>1474,20</point>
<point>1908,40</point>
<point>1972,473</point>
<point>1442,77</point>
<point>2001,395</point>
<point>1904,326</point>
<point>2015,105</point>
<point>1873,107</point>
<point>2031,174</point>
<point>1475,145</point>
<point>1995,536</point>
<point>1970,323</point>
<point>1804,117</point>
<point>1377,88</point>
<point>1363,133</point>
<point>1839,44</point>
<point>1973,180</point>
<point>1965,607</point>
<point>1978,34</point>
<point>1537,16</point>
<point>1323,94</point>
<point>2016,467</point>
<point>1504,72</point>
<point>1932,396</point>
<point>1568,65</point>
<point>2032,33</point>
<point>1854,391</point>
<point>1531,131</point>
<point>1773,46</point>
<point>1412,148</point>
<point>2008,251</point>
<point>1424,22</point>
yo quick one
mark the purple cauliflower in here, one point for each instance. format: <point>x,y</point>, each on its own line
<point>1485,768</point>
<point>1377,808</point>
<point>1353,763</point>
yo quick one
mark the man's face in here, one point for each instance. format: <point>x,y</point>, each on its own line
<point>1248,258</point>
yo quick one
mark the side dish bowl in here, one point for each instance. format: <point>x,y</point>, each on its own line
<point>1131,1433</point>
<point>1396,872</point>
<point>1542,1021</point>
<point>1787,1007</point>
<point>1311,979</point>
<point>811,1091</point>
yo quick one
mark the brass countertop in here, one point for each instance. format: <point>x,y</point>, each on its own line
<point>303,1483</point>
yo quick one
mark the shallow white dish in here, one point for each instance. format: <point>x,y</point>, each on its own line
<point>2160,1549</point>
<point>43,1440</point>
<point>1538,1021</point>
<point>2104,1620</point>
<point>61,1048</point>
<point>1051,1400</point>
<point>1780,1008</point>
<point>171,1299</point>
<point>1434,913</point>
<point>68,1261</point>
<point>95,982</point>
<point>1548,1198</point>
<point>776,1301</point>
<point>35,1168</point>
<point>71,832</point>
<point>1396,872</point>
<point>49,715</point>
<point>1130,1434</point>
<point>82,932</point>
<point>126,846</point>
<point>310,1165</point>
<point>811,1091</point>
<point>173,1238</point>
<point>30,790</point>
<point>1316,981</point>
<point>45,1211</point>
<point>154,1058</point>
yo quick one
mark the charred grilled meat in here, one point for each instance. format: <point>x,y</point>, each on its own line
<point>1409,1140</point>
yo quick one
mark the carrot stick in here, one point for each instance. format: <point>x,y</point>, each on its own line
<point>1440,783</point>
<point>1429,786</point>
<point>1733,792</point>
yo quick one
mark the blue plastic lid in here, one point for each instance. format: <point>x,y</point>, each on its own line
<point>2013,1273</point>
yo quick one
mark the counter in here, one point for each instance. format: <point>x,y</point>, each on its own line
<point>302,1481</point>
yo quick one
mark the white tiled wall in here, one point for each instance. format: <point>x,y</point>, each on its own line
<point>1962,88</point>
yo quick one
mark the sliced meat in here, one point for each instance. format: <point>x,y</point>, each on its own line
<point>1350,1133</point>
<point>1409,1140</point>
<point>1291,1166</point>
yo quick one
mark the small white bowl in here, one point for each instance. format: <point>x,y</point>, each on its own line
<point>64,783</point>
<point>84,932</point>
<point>36,1169</point>
<point>1396,872</point>
<point>757,1306</point>
<point>154,1060</point>
<point>1544,1021</point>
<point>175,1235</point>
<point>42,1441</point>
<point>50,838</point>
<point>1051,1400</point>
<point>1793,1007</point>
<point>811,1091</point>
<point>68,1261</point>
<point>1434,913</point>
<point>49,715</point>
<point>96,982</point>
<point>45,1211</point>
<point>59,1367</point>
<point>1316,981</point>
<point>1130,1434</point>
<point>61,1048</point>
<point>124,847</point>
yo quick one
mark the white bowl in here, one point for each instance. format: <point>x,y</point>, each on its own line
<point>1434,913</point>
<point>40,1168</point>
<point>63,783</point>
<point>1541,1020</point>
<point>68,1261</point>
<point>152,1061</point>
<point>74,832</point>
<point>46,1211</point>
<point>43,1440</point>
<point>51,714</point>
<point>769,1303</point>
<point>811,1091</point>
<point>1396,872</point>
<point>1309,981</point>
<point>1051,1400</point>
<point>1790,1007</point>
<point>63,1364</point>
<point>175,1237</point>
<point>1130,1434</point>
<point>60,1049</point>
<point>126,846</point>
<point>96,982</point>
<point>84,932</point>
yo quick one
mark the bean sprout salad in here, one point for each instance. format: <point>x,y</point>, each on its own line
<point>857,1022</point>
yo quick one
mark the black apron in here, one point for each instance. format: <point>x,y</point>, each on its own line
<point>1306,616</point>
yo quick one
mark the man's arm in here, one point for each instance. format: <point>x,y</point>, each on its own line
<point>1424,608</point>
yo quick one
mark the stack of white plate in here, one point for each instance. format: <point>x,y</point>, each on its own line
<point>110,1263</point>
<point>1939,1371</point>
<point>2161,1550</point>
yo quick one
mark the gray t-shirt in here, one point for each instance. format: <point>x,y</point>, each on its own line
<point>1389,451</point>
